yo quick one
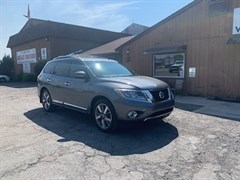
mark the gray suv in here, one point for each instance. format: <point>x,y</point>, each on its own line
<point>103,88</point>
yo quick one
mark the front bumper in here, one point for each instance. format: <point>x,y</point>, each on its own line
<point>145,110</point>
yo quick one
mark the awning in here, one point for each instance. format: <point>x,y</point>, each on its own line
<point>173,49</point>
<point>235,39</point>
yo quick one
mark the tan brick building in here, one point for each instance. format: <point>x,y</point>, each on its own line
<point>40,39</point>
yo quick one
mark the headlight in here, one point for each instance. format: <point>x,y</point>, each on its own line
<point>138,95</point>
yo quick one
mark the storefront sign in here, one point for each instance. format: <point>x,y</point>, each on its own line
<point>26,67</point>
<point>236,21</point>
<point>44,53</point>
<point>192,72</point>
<point>26,56</point>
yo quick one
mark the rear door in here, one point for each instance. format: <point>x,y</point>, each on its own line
<point>46,77</point>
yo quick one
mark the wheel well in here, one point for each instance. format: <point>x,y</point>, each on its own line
<point>95,99</point>
<point>41,93</point>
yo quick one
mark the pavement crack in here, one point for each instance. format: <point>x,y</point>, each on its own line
<point>21,168</point>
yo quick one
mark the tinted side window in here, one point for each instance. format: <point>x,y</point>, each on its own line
<point>62,68</point>
<point>49,67</point>
<point>75,67</point>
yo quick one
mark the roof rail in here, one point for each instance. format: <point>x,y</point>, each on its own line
<point>76,52</point>
<point>64,56</point>
<point>69,55</point>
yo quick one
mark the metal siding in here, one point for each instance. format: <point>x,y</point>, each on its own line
<point>218,64</point>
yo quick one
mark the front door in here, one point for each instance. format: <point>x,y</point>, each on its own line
<point>59,79</point>
<point>77,90</point>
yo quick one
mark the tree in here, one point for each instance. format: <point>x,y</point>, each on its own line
<point>39,66</point>
<point>7,66</point>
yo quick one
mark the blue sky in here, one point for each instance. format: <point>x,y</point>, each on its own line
<point>113,15</point>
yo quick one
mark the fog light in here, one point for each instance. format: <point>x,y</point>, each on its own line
<point>132,114</point>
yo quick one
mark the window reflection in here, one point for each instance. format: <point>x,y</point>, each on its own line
<point>169,65</point>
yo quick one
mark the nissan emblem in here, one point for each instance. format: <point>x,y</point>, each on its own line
<point>161,95</point>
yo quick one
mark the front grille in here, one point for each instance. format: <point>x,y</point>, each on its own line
<point>156,96</point>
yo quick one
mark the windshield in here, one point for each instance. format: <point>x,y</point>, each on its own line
<point>108,69</point>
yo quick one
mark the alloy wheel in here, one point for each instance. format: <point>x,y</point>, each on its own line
<point>103,116</point>
<point>46,100</point>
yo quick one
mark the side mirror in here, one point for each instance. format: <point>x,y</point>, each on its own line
<point>81,75</point>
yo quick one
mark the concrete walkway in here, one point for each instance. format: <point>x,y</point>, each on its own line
<point>203,105</point>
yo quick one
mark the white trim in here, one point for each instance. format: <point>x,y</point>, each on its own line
<point>165,114</point>
<point>75,106</point>
<point>58,102</point>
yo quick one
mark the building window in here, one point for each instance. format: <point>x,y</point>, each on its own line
<point>44,53</point>
<point>169,65</point>
<point>218,6</point>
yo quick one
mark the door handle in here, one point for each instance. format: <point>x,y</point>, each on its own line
<point>48,80</point>
<point>66,83</point>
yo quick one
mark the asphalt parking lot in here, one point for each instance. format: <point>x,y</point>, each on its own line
<point>67,145</point>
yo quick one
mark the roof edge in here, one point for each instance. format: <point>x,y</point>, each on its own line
<point>12,43</point>
<point>29,21</point>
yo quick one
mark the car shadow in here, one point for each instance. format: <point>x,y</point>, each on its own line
<point>130,138</point>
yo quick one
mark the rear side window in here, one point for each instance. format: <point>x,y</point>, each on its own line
<point>62,68</point>
<point>49,67</point>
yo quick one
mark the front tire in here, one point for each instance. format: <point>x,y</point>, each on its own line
<point>105,115</point>
<point>47,101</point>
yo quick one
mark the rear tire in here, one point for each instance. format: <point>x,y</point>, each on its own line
<point>104,115</point>
<point>47,101</point>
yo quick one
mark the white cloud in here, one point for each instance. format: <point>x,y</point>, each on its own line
<point>103,15</point>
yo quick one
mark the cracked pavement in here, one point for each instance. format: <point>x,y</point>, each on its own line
<point>67,145</point>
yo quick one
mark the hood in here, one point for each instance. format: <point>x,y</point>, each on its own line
<point>139,82</point>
